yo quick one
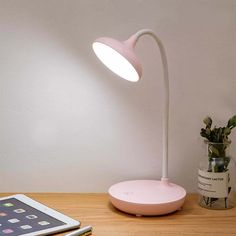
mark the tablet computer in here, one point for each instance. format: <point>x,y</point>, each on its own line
<point>21,215</point>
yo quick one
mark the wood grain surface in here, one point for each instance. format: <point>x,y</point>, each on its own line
<point>95,209</point>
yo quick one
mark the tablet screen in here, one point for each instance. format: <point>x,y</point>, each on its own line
<point>17,218</point>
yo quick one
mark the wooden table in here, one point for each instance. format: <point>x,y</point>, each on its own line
<point>95,210</point>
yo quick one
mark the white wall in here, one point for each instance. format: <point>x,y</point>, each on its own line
<point>67,124</point>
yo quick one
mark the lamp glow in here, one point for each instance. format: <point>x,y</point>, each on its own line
<point>141,197</point>
<point>115,62</point>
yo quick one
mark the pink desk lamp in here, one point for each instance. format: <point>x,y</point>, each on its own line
<point>141,197</point>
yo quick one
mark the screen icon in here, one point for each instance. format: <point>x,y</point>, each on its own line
<point>43,223</point>
<point>8,204</point>
<point>26,227</point>
<point>7,231</point>
<point>31,217</point>
<point>19,210</point>
<point>13,220</point>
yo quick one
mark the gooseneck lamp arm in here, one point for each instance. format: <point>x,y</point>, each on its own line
<point>120,58</point>
<point>165,100</point>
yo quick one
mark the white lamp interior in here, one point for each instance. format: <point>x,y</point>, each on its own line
<point>115,62</point>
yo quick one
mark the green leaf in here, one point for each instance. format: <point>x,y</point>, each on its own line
<point>232,122</point>
<point>208,131</point>
<point>214,151</point>
<point>203,133</point>
<point>227,131</point>
<point>219,135</point>
<point>208,121</point>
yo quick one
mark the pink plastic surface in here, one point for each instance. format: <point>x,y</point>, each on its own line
<point>147,197</point>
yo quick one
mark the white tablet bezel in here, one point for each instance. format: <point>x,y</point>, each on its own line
<point>69,222</point>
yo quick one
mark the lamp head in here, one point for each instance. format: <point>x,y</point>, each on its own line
<point>119,57</point>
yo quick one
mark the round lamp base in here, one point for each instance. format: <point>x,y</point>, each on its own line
<point>147,197</point>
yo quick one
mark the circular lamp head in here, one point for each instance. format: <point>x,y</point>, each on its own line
<point>119,57</point>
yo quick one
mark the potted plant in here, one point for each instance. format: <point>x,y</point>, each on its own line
<point>216,172</point>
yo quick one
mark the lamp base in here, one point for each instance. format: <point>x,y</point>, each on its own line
<point>147,197</point>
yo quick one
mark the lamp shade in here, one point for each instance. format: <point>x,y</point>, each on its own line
<point>119,57</point>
